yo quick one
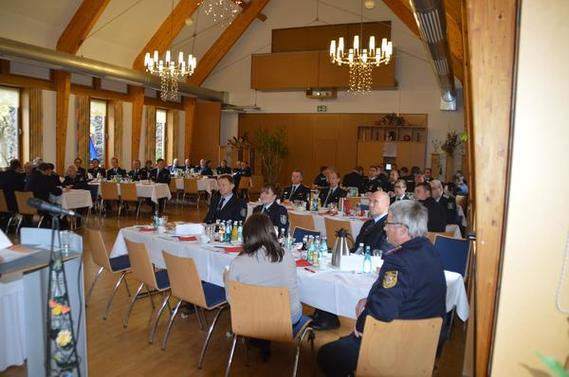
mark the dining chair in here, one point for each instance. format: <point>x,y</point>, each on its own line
<point>4,210</point>
<point>191,189</point>
<point>432,235</point>
<point>264,313</point>
<point>24,209</point>
<point>299,233</point>
<point>116,265</point>
<point>332,226</point>
<point>187,286</point>
<point>301,221</point>
<point>400,348</point>
<point>109,193</point>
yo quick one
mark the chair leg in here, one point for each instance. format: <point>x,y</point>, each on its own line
<point>298,348</point>
<point>208,337</point>
<point>40,221</point>
<point>19,224</point>
<point>125,320</point>
<point>202,312</point>
<point>231,353</point>
<point>138,208</point>
<point>199,317</point>
<point>157,319</point>
<point>170,323</point>
<point>126,285</point>
<point>99,272</point>
<point>113,293</point>
<point>151,298</point>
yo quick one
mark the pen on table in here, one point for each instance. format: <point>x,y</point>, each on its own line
<point>309,270</point>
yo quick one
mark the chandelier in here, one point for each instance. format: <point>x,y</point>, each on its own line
<point>361,61</point>
<point>169,71</point>
<point>222,11</point>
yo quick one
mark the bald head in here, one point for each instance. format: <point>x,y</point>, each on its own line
<point>378,203</point>
<point>436,189</point>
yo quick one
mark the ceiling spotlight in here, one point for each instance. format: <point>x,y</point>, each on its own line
<point>369,4</point>
<point>189,21</point>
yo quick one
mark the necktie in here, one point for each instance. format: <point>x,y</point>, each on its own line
<point>330,192</point>
<point>264,210</point>
<point>292,191</point>
<point>220,205</point>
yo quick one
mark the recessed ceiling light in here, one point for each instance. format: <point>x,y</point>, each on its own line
<point>369,4</point>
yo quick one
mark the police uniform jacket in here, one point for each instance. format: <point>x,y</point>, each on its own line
<point>82,172</point>
<point>235,209</point>
<point>11,181</point>
<point>334,197</point>
<point>160,177</point>
<point>205,171</point>
<point>410,182</point>
<point>79,182</point>
<point>353,179</point>
<point>119,172</point>
<point>411,285</point>
<point>301,193</point>
<point>371,184</point>
<point>373,235</point>
<point>223,170</point>
<point>138,174</point>
<point>321,180</point>
<point>437,215</point>
<point>448,203</point>
<point>42,185</point>
<point>245,172</point>
<point>278,215</point>
<point>95,171</point>
<point>396,198</point>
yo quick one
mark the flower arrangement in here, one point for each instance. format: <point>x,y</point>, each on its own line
<point>451,143</point>
<point>239,142</point>
<point>391,120</point>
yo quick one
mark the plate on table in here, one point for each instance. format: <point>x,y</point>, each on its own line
<point>186,238</point>
<point>233,249</point>
<point>145,228</point>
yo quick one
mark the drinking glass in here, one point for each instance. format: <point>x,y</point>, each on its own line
<point>65,237</point>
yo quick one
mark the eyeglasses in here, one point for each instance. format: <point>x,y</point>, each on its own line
<point>385,224</point>
<point>400,187</point>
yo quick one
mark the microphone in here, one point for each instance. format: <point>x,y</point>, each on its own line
<point>54,209</point>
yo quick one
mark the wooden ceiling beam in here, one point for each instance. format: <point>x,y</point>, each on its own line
<point>168,31</point>
<point>226,40</point>
<point>81,25</point>
<point>261,17</point>
<point>404,13</point>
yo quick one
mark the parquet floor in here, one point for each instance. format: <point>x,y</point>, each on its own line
<point>115,351</point>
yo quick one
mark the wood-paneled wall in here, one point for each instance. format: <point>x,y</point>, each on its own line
<point>205,135</point>
<point>313,139</point>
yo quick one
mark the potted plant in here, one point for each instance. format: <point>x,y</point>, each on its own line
<point>451,143</point>
<point>273,151</point>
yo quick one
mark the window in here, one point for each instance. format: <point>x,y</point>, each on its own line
<point>97,130</point>
<point>160,133</point>
<point>9,135</point>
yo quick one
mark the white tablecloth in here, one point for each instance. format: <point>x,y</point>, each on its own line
<point>12,334</point>
<point>154,191</point>
<point>331,290</point>
<point>204,184</point>
<point>75,199</point>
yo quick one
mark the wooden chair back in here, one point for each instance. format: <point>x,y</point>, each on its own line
<point>3,202</point>
<point>22,201</point>
<point>333,225</point>
<point>461,201</point>
<point>185,281</point>
<point>128,192</point>
<point>190,186</point>
<point>354,201</point>
<point>245,183</point>
<point>400,348</point>
<point>173,185</point>
<point>109,191</point>
<point>432,235</point>
<point>256,184</point>
<point>142,268</point>
<point>301,221</point>
<point>260,312</point>
<point>99,252</point>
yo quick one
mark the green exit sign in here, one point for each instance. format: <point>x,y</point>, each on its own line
<point>321,108</point>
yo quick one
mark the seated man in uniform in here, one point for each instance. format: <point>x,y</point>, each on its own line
<point>74,180</point>
<point>411,285</point>
<point>447,202</point>
<point>187,167</point>
<point>437,214</point>
<point>400,191</point>
<point>277,213</point>
<point>321,179</point>
<point>354,178</point>
<point>115,170</point>
<point>223,168</point>
<point>137,173</point>
<point>80,169</point>
<point>372,182</point>
<point>225,205</point>
<point>372,233</point>
<point>160,175</point>
<point>296,191</point>
<point>332,194</point>
<point>174,167</point>
<point>96,170</point>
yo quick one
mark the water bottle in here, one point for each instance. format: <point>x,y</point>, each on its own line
<point>228,228</point>
<point>221,231</point>
<point>234,232</point>
<point>156,220</point>
<point>304,242</point>
<point>323,247</point>
<point>360,249</point>
<point>240,232</point>
<point>311,250</point>
<point>366,268</point>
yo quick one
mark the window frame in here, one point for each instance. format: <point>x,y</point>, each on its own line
<point>165,132</point>
<point>106,159</point>
<point>20,124</point>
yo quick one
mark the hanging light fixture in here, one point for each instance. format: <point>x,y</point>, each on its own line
<point>169,69</point>
<point>360,60</point>
<point>223,11</point>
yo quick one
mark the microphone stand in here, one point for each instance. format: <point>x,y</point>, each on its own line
<point>61,358</point>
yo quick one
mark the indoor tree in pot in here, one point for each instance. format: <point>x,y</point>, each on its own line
<point>273,150</point>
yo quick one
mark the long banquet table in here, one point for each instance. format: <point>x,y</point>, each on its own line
<point>204,184</point>
<point>154,191</point>
<point>327,289</point>
<point>73,199</point>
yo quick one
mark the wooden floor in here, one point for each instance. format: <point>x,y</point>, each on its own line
<point>116,351</point>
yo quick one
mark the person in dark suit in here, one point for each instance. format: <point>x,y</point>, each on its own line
<point>137,173</point>
<point>354,178</point>
<point>393,177</point>
<point>245,169</point>
<point>400,191</point>
<point>41,183</point>
<point>372,233</point>
<point>78,162</point>
<point>372,182</point>
<point>296,191</point>
<point>223,168</point>
<point>174,167</point>
<point>203,168</point>
<point>411,285</point>
<point>115,170</point>
<point>96,170</point>
<point>437,214</point>
<point>13,179</point>
<point>73,180</point>
<point>161,174</point>
<point>187,167</point>
<point>332,194</point>
<point>225,205</point>
<point>52,174</point>
<point>448,203</point>
<point>277,213</point>
<point>321,179</point>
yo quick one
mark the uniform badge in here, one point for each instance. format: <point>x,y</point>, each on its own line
<point>243,212</point>
<point>450,206</point>
<point>390,279</point>
<point>283,219</point>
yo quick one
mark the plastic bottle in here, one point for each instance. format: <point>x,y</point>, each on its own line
<point>323,247</point>
<point>360,249</point>
<point>227,237</point>
<point>240,232</point>
<point>366,267</point>
<point>234,232</point>
<point>311,250</point>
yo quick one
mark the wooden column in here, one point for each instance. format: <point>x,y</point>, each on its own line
<point>137,97</point>
<point>118,132</point>
<point>150,142</point>
<point>36,124</point>
<point>491,41</point>
<point>62,82</point>
<point>190,110</point>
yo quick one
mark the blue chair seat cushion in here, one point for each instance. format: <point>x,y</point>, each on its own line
<point>214,294</point>
<point>300,325</point>
<point>120,263</point>
<point>162,279</point>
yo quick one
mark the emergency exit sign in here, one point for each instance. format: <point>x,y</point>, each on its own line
<point>321,108</point>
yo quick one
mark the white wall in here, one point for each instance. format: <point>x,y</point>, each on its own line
<point>537,224</point>
<point>71,138</point>
<point>229,126</point>
<point>49,113</point>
